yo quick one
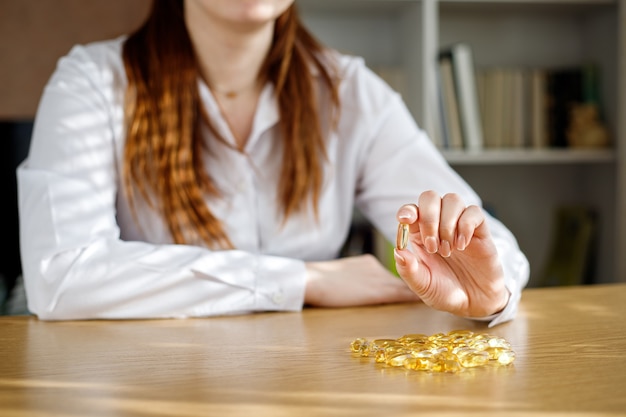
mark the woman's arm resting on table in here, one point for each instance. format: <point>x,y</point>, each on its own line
<point>353,281</point>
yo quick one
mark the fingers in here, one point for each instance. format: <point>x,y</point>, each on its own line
<point>407,214</point>
<point>429,215</point>
<point>470,220</point>
<point>441,224</point>
<point>452,209</point>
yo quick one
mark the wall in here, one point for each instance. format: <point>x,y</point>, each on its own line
<point>34,34</point>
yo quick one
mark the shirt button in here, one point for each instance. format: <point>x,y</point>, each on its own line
<point>277,297</point>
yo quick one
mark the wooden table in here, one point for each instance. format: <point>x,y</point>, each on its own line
<point>570,344</point>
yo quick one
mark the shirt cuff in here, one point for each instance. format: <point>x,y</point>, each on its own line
<point>508,313</point>
<point>245,283</point>
<point>280,284</point>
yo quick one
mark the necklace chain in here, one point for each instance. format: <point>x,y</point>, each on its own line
<point>230,94</point>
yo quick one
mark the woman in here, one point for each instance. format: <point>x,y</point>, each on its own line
<point>210,163</point>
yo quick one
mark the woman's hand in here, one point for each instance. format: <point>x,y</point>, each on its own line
<point>353,281</point>
<point>451,262</point>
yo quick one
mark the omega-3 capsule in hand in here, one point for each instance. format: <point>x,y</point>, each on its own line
<point>402,239</point>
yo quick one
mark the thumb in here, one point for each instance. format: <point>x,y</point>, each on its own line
<point>412,271</point>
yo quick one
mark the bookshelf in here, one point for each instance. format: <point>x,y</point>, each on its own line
<point>524,187</point>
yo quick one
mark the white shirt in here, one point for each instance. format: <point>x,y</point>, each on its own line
<point>84,257</point>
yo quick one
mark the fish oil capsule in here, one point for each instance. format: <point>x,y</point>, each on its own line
<point>445,363</point>
<point>423,354</point>
<point>478,344</point>
<point>413,338</point>
<point>359,345</point>
<point>440,350</point>
<point>506,357</point>
<point>464,333</point>
<point>494,352</point>
<point>402,238</point>
<point>498,342</point>
<point>383,343</point>
<point>424,357</point>
<point>458,349</point>
<point>419,364</point>
<point>398,359</point>
<point>479,337</point>
<point>410,363</point>
<point>457,344</point>
<point>384,354</point>
<point>415,345</point>
<point>365,350</point>
<point>379,345</point>
<point>451,365</point>
<point>471,358</point>
<point>424,364</point>
<point>438,337</point>
<point>381,350</point>
<point>380,356</point>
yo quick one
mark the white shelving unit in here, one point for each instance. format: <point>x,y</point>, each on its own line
<point>530,156</point>
<point>523,186</point>
<point>388,33</point>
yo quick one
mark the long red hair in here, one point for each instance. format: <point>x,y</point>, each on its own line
<point>162,157</point>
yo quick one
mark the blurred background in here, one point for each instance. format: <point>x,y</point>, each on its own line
<point>545,95</point>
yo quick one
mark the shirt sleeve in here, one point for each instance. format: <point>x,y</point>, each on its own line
<point>76,266</point>
<point>400,162</point>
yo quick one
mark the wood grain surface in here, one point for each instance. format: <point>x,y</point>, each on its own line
<point>570,344</point>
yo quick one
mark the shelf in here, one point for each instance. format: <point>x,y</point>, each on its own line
<point>530,156</point>
<point>543,3</point>
<point>557,8</point>
<point>354,6</point>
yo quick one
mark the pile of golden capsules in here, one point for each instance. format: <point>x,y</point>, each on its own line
<point>440,352</point>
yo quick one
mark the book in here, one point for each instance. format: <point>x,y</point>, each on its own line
<point>481,89</point>
<point>533,108</point>
<point>564,87</point>
<point>538,109</point>
<point>450,113</point>
<point>441,124</point>
<point>574,113</point>
<point>506,130</point>
<point>505,97</point>
<point>519,108</point>
<point>461,58</point>
<point>494,108</point>
<point>572,250</point>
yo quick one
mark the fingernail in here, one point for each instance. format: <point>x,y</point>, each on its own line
<point>404,214</point>
<point>445,250</point>
<point>399,258</point>
<point>460,242</point>
<point>431,244</point>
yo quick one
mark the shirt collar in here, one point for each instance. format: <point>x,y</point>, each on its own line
<point>265,117</point>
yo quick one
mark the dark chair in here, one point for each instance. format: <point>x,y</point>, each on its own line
<point>14,143</point>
